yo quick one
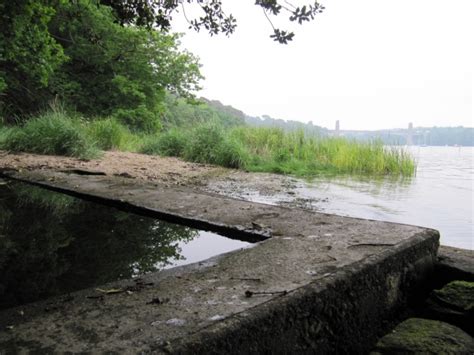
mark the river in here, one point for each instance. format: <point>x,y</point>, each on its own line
<point>440,196</point>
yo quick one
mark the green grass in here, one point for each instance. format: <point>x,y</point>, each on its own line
<point>170,143</point>
<point>242,147</point>
<point>4,133</point>
<point>53,132</point>
<point>207,143</point>
<point>109,134</point>
<point>272,150</point>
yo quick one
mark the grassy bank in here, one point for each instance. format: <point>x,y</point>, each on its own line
<point>243,147</point>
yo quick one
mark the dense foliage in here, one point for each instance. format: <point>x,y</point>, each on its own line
<point>29,55</point>
<point>90,62</point>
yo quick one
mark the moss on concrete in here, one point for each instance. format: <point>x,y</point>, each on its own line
<point>424,336</point>
<point>458,295</point>
<point>454,303</point>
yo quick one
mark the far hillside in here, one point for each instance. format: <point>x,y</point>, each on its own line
<point>185,112</point>
<point>286,125</point>
<point>429,136</point>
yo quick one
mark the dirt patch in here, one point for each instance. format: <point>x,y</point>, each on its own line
<point>162,170</point>
<point>258,187</point>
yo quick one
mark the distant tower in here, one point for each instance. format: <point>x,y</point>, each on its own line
<point>336,133</point>
<point>410,134</point>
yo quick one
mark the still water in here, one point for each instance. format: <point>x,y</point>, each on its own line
<point>52,244</point>
<point>440,196</point>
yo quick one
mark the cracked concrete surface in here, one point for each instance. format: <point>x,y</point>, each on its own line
<point>314,282</point>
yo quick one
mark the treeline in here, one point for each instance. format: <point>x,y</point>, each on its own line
<point>184,113</point>
<point>286,125</point>
<point>431,136</point>
<point>445,136</point>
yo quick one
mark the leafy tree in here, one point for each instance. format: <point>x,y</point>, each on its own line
<point>77,52</point>
<point>28,54</point>
<point>118,70</point>
<point>213,18</point>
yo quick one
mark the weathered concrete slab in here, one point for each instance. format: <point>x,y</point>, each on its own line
<point>318,282</point>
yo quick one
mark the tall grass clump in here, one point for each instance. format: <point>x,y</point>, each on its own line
<point>273,150</point>
<point>170,143</point>
<point>209,143</point>
<point>4,133</point>
<point>109,134</point>
<point>54,132</point>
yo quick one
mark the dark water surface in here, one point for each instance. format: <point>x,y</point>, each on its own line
<point>52,244</point>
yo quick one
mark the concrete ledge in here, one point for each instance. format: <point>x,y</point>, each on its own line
<point>316,283</point>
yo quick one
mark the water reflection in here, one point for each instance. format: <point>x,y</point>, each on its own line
<point>53,244</point>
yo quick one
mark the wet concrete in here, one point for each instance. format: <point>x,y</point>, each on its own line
<point>315,282</point>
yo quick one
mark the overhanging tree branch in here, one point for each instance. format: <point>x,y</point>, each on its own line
<point>158,13</point>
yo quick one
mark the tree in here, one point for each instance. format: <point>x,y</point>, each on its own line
<point>77,52</point>
<point>118,70</point>
<point>28,54</point>
<point>214,19</point>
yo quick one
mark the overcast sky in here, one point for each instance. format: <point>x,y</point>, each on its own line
<point>371,64</point>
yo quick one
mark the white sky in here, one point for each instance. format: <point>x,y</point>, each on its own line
<point>371,64</point>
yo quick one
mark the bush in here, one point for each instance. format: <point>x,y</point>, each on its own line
<point>109,134</point>
<point>51,133</point>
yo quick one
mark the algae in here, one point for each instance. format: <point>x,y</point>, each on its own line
<point>457,294</point>
<point>417,335</point>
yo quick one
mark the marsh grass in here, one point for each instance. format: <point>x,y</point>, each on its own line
<point>170,143</point>
<point>295,153</point>
<point>109,134</point>
<point>210,143</point>
<point>53,132</point>
<point>243,147</point>
<point>273,150</point>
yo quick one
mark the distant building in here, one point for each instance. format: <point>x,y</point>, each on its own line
<point>336,132</point>
<point>410,134</point>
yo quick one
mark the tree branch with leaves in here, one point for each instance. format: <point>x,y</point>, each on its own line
<point>213,18</point>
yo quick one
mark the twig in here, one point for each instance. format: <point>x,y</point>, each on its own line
<point>249,293</point>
